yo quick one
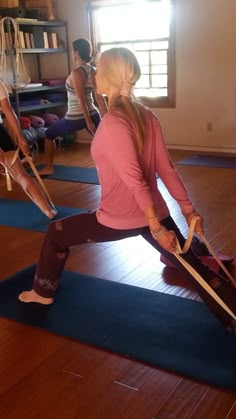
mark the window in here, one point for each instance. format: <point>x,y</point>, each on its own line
<point>145,27</point>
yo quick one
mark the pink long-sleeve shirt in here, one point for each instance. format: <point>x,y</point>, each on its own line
<point>128,179</point>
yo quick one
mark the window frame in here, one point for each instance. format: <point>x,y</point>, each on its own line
<point>153,102</point>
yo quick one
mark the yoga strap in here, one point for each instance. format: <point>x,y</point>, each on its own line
<point>37,176</point>
<point>34,170</point>
<point>195,274</point>
<point>17,57</point>
<point>7,173</point>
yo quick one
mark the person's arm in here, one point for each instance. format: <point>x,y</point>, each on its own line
<point>13,123</point>
<point>102,104</point>
<point>172,180</point>
<point>79,79</point>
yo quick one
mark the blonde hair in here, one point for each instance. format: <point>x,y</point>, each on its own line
<point>119,66</point>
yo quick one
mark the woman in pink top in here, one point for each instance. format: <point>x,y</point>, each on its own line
<point>9,154</point>
<point>128,150</point>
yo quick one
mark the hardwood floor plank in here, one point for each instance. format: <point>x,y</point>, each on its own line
<point>214,404</point>
<point>21,351</point>
<point>181,402</point>
<point>151,396</point>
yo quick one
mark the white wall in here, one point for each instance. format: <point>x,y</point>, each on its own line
<point>205,76</point>
<point>205,72</point>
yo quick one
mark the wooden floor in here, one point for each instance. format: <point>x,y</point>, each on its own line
<point>45,376</point>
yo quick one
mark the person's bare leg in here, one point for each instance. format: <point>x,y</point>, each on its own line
<point>49,150</point>
<point>32,297</point>
<point>28,184</point>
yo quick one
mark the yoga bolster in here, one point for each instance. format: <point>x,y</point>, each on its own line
<point>37,121</point>
<point>41,133</point>
<point>50,118</point>
<point>25,122</point>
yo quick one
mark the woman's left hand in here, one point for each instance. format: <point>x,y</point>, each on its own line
<point>199,224</point>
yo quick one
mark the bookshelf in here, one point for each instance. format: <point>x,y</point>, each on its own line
<point>38,38</point>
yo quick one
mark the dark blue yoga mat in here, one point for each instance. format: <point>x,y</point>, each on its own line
<point>223,162</point>
<point>25,214</point>
<point>169,332</point>
<point>74,174</point>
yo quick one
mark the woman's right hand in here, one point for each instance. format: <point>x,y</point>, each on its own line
<point>168,241</point>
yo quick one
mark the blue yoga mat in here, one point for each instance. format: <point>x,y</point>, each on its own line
<point>74,174</point>
<point>162,330</point>
<point>210,161</point>
<point>24,214</point>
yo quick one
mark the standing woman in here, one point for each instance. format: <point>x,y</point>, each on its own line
<point>9,154</point>
<point>81,110</point>
<point>128,149</point>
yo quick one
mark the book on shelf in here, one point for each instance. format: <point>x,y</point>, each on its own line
<point>21,39</point>
<point>52,36</point>
<point>25,20</point>
<point>45,39</point>
<point>27,40</point>
<point>32,40</point>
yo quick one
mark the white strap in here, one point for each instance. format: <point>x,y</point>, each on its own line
<point>194,273</point>
<point>37,176</point>
<point>7,173</point>
<point>18,61</point>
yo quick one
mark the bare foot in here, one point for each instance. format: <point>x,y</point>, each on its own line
<point>46,171</point>
<point>32,297</point>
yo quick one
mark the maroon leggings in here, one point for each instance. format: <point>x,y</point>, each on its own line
<point>84,228</point>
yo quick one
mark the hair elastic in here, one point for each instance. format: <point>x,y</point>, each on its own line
<point>126,89</point>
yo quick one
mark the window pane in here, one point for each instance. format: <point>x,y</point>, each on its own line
<point>105,47</point>
<point>145,69</point>
<point>159,45</point>
<point>125,45</point>
<point>143,58</point>
<point>115,22</point>
<point>158,92</point>
<point>159,81</point>
<point>159,57</point>
<point>144,81</point>
<point>143,46</point>
<point>151,92</point>
<point>159,69</point>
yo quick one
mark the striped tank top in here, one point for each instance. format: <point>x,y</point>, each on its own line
<point>73,103</point>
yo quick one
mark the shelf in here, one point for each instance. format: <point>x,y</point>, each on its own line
<point>35,32</point>
<point>39,107</point>
<point>40,89</point>
<point>51,23</point>
<point>38,51</point>
<point>42,50</point>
